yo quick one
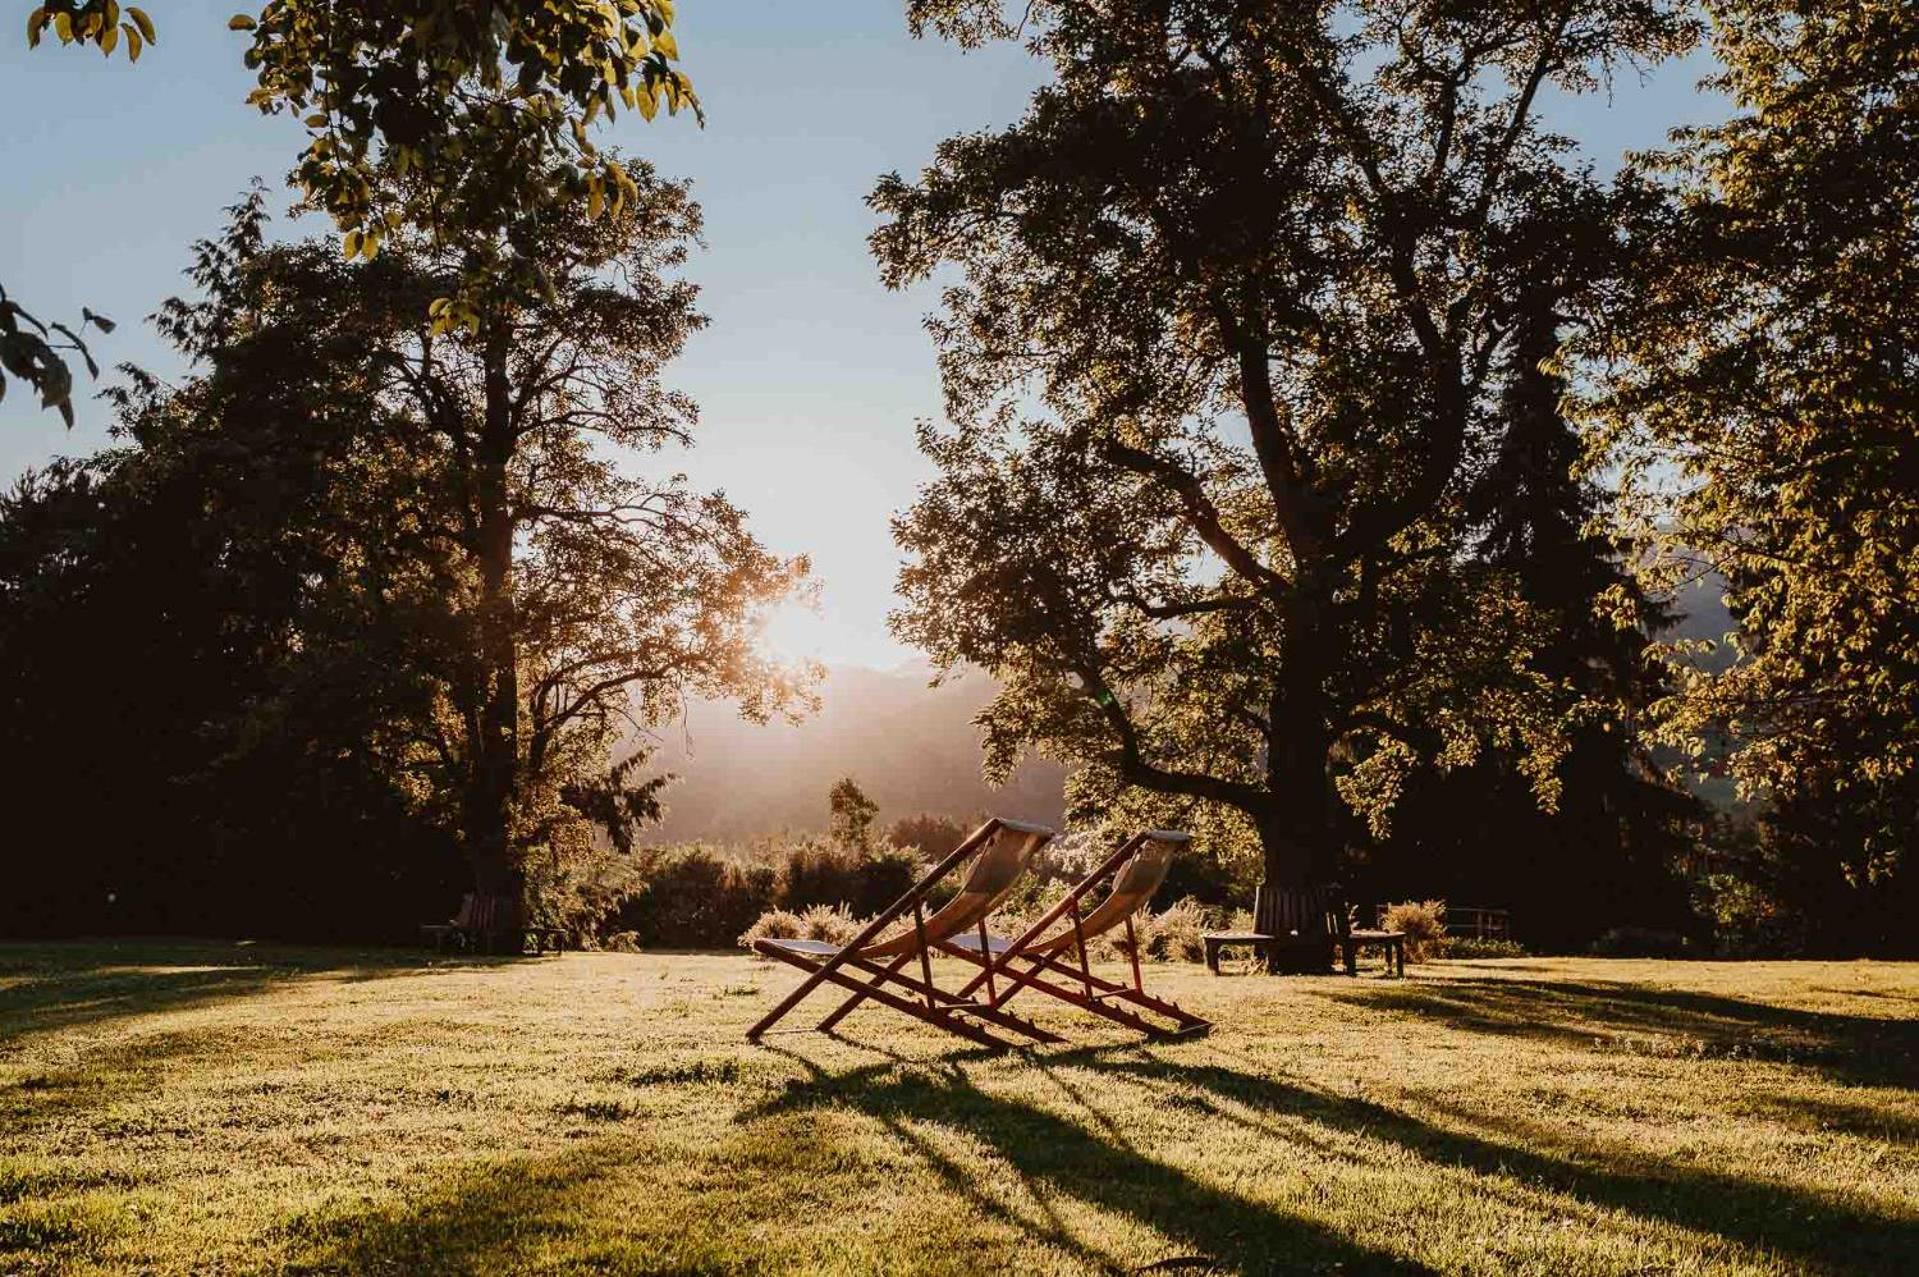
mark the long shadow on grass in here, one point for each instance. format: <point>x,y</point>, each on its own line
<point>48,987</point>
<point>1824,1234</point>
<point>1855,1049</point>
<point>1055,1157</point>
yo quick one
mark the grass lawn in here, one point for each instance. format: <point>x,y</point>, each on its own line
<point>213,1108</point>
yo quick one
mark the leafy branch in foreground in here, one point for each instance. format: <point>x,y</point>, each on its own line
<point>487,104</point>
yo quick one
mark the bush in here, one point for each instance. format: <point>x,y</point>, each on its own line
<point>831,925</point>
<point>1749,920</point>
<point>1424,923</point>
<point>1478,947</point>
<point>931,836</point>
<point>692,899</point>
<point>1641,942</point>
<point>1177,931</point>
<point>818,873</point>
<point>774,924</point>
<point>885,874</point>
<point>580,892</point>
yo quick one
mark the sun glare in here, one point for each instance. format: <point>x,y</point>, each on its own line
<point>794,633</point>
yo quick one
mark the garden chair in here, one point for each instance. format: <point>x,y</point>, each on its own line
<point>873,968</point>
<point>1135,871</point>
<point>492,923</point>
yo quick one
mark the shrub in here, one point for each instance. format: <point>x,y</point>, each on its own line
<point>817,873</point>
<point>1750,920</point>
<point>1477,947</point>
<point>885,874</point>
<point>774,924</point>
<point>692,899</point>
<point>1424,923</point>
<point>831,925</point>
<point>1641,942</point>
<point>1177,931</point>
<point>931,836</point>
<point>582,891</point>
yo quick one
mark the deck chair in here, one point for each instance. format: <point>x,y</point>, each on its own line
<point>873,969</point>
<point>1135,871</point>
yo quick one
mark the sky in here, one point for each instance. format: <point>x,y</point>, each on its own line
<point>811,375</point>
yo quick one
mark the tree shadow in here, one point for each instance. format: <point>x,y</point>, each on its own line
<point>1055,1157</point>
<point>1825,1233</point>
<point>1856,1049</point>
<point>483,1222</point>
<point>1863,1121</point>
<point>48,987</point>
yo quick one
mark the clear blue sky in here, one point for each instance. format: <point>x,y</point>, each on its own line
<point>811,375</point>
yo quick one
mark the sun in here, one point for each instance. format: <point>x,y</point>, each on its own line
<point>794,634</point>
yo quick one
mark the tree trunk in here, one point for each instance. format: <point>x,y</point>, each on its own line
<point>1299,830</point>
<point>494,772</point>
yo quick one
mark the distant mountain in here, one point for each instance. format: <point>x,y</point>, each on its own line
<point>911,747</point>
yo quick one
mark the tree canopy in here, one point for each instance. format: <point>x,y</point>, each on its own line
<point>1239,299</point>
<point>1762,399</point>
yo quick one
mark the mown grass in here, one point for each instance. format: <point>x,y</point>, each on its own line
<point>202,1108</point>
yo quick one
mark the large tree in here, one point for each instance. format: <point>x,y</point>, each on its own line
<point>446,553</point>
<point>583,595</point>
<point>1765,399</point>
<point>1236,305</point>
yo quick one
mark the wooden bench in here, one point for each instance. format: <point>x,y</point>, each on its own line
<point>492,924</point>
<point>1307,926</point>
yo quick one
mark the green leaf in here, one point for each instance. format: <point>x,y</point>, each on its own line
<point>141,20</point>
<point>240,22</point>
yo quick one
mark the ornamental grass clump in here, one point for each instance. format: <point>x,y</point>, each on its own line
<point>1423,921</point>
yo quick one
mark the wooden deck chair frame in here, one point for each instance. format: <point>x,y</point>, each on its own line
<point>996,868</point>
<point>1136,870</point>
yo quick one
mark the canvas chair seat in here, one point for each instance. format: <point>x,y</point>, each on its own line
<point>819,947</point>
<point>972,944</point>
<point>1134,871</point>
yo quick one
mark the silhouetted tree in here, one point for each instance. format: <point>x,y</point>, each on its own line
<point>1608,852</point>
<point>852,814</point>
<point>1237,301</point>
<point>468,590</point>
<point>1769,359</point>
